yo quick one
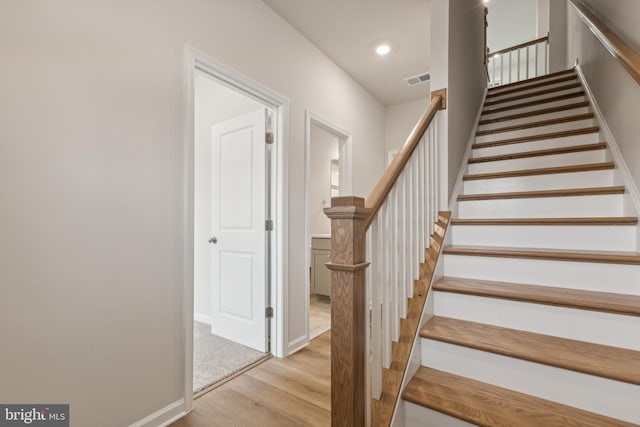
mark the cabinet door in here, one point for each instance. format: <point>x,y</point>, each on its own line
<point>321,274</point>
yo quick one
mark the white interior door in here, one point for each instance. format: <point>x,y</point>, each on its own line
<point>238,248</point>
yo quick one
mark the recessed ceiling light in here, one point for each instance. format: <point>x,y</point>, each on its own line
<point>383,49</point>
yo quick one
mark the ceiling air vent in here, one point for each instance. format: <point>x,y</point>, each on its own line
<point>417,80</point>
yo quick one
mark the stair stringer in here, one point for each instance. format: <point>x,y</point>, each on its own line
<point>624,174</point>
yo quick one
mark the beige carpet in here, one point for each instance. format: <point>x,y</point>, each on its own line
<point>319,315</point>
<point>216,358</point>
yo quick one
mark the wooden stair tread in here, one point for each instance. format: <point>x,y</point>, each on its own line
<point>540,153</point>
<point>532,94</point>
<point>538,137</point>
<point>622,220</point>
<point>498,89</point>
<point>573,298</point>
<point>487,405</point>
<point>604,257</point>
<point>534,103</point>
<point>541,123</point>
<point>560,108</point>
<point>604,361</point>
<point>589,167</point>
<point>561,79</point>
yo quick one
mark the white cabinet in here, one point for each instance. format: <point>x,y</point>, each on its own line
<point>320,274</point>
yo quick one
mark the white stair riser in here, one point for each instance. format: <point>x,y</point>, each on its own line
<point>416,415</point>
<point>618,238</point>
<point>549,161</point>
<point>525,92</point>
<point>604,178</point>
<point>560,127</point>
<point>489,114</point>
<point>527,84</point>
<point>598,277</point>
<point>503,103</point>
<point>582,325</point>
<point>610,398</point>
<point>543,144</point>
<point>543,207</point>
<point>539,117</point>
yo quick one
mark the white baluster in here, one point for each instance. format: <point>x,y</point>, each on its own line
<point>367,322</point>
<point>421,193</point>
<point>493,79</point>
<point>402,246</point>
<point>386,285</point>
<point>510,66</point>
<point>536,60</point>
<point>518,74</point>
<point>393,301</point>
<point>376,248</point>
<point>408,277</point>
<point>418,210</point>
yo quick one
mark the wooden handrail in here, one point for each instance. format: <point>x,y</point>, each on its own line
<point>617,47</point>
<point>520,46</point>
<point>380,192</point>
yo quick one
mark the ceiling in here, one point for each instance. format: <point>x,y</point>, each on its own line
<point>348,31</point>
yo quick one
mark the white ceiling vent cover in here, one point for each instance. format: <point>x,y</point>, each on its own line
<point>417,79</point>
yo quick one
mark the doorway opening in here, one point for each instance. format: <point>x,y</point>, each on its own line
<point>327,175</point>
<point>235,211</point>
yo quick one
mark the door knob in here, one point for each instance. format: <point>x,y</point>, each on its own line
<point>213,240</point>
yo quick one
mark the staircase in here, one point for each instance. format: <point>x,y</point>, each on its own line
<point>536,320</point>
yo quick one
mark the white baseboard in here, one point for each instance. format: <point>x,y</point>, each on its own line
<point>163,417</point>
<point>202,318</point>
<point>626,176</point>
<point>297,344</point>
<point>467,154</point>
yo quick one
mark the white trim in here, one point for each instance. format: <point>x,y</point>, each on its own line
<point>298,344</point>
<point>467,154</point>
<point>202,318</point>
<point>163,417</point>
<point>194,59</point>
<point>621,165</point>
<point>346,177</point>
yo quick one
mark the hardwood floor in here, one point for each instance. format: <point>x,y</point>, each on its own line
<point>295,391</point>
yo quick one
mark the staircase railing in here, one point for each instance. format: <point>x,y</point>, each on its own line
<point>393,227</point>
<point>519,62</point>
<point>617,47</point>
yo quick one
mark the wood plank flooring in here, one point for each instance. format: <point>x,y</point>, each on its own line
<point>295,391</point>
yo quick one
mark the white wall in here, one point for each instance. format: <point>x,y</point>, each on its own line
<point>214,103</point>
<point>92,187</point>
<point>543,17</point>
<point>324,148</point>
<point>466,79</point>
<point>400,119</point>
<point>558,36</point>
<point>617,94</point>
<point>511,22</point>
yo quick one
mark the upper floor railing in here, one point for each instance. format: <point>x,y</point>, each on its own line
<point>617,47</point>
<point>389,231</point>
<point>519,62</point>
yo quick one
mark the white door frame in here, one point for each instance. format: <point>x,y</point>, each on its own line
<point>194,59</point>
<point>345,171</point>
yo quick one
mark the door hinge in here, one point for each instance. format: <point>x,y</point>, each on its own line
<point>268,137</point>
<point>268,312</point>
<point>268,225</point>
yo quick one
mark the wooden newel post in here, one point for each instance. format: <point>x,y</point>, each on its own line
<point>348,307</point>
